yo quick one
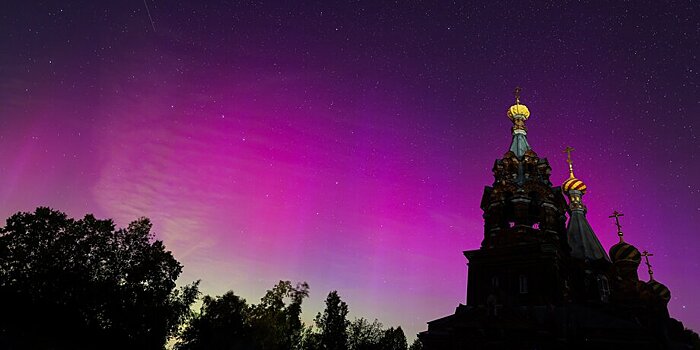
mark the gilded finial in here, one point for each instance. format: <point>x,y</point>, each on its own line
<point>616,214</point>
<point>518,113</point>
<point>568,150</point>
<point>646,256</point>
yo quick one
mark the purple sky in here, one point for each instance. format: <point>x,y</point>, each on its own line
<point>348,145</point>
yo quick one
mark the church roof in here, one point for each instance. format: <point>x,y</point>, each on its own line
<point>582,240</point>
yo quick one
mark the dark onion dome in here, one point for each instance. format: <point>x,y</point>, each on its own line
<point>660,290</point>
<point>625,251</point>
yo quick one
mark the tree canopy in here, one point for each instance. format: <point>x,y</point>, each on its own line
<point>333,323</point>
<point>84,284</point>
<point>277,325</point>
<point>363,335</point>
<point>79,284</point>
<point>227,322</point>
<point>222,323</point>
<point>394,339</point>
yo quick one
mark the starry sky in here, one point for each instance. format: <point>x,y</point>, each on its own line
<point>347,144</point>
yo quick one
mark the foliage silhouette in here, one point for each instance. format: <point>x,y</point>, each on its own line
<point>227,322</point>
<point>276,325</point>
<point>222,323</point>
<point>394,339</point>
<point>417,345</point>
<point>310,339</point>
<point>82,284</point>
<point>336,332</point>
<point>333,323</point>
<point>363,335</point>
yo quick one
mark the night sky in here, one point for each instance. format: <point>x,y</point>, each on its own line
<point>348,144</point>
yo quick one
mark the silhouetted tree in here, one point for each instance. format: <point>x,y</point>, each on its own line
<point>333,323</point>
<point>227,322</point>
<point>394,339</point>
<point>309,340</point>
<point>275,324</point>
<point>417,345</point>
<point>78,284</point>
<point>363,335</point>
<point>222,324</point>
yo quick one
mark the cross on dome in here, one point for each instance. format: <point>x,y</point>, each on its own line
<point>616,214</point>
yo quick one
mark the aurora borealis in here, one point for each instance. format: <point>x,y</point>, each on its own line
<point>347,145</point>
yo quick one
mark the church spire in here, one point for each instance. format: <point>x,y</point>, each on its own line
<point>583,241</point>
<point>518,114</point>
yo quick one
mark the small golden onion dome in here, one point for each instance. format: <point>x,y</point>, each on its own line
<point>574,184</point>
<point>625,251</point>
<point>660,290</point>
<point>518,110</point>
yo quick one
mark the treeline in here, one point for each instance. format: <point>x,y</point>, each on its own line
<point>85,284</point>
<point>228,322</point>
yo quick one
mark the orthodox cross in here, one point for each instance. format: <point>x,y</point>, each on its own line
<point>646,256</point>
<point>517,94</point>
<point>568,150</point>
<point>616,214</point>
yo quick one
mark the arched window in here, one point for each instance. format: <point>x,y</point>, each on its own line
<point>494,282</point>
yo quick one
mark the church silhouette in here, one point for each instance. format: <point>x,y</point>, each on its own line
<point>540,282</point>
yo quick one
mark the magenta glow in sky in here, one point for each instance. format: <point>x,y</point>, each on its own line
<point>348,145</point>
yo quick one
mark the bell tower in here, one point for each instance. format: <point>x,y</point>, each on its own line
<point>522,257</point>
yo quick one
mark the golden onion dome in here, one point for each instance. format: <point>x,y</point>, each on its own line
<point>574,184</point>
<point>624,251</point>
<point>660,290</point>
<point>518,110</point>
